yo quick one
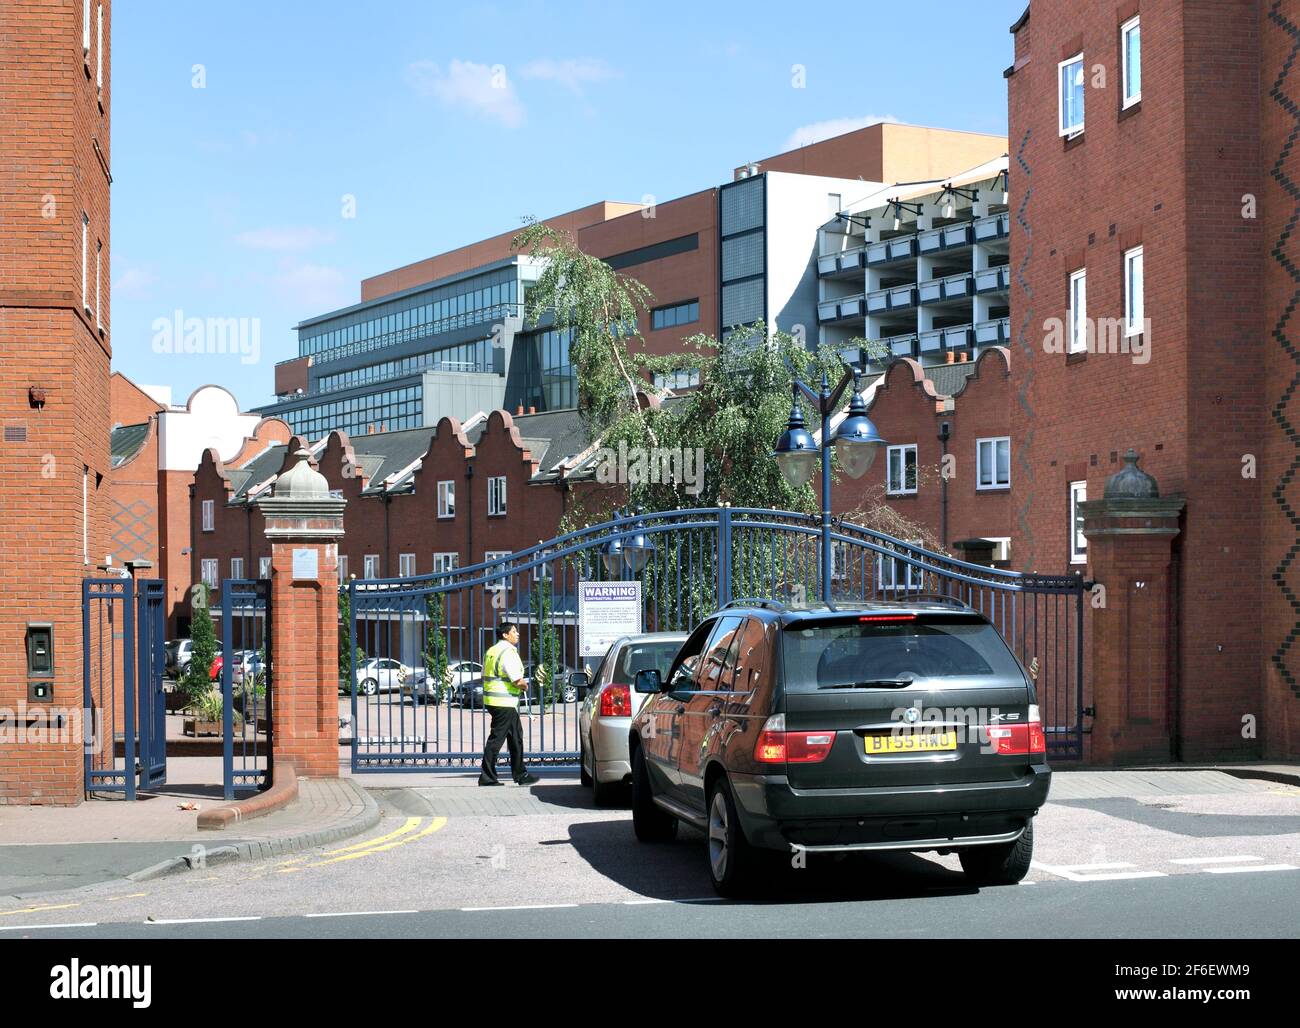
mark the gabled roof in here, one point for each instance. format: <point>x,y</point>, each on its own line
<point>126,441</point>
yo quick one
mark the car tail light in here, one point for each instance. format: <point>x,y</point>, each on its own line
<point>1020,740</point>
<point>886,617</point>
<point>1037,737</point>
<point>616,701</point>
<point>777,746</point>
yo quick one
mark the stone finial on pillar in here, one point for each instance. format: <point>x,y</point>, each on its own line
<point>1130,534</point>
<point>304,522</point>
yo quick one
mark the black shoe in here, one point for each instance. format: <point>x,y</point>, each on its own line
<point>488,781</point>
<point>527,779</point>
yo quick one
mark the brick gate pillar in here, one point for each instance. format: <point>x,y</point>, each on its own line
<point>304,523</point>
<point>1130,533</point>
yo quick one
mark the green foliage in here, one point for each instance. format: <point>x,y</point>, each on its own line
<point>347,659</point>
<point>545,648</point>
<point>198,673</point>
<point>435,648</point>
<point>209,705</point>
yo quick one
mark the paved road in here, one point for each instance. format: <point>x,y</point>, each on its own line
<point>1173,855</point>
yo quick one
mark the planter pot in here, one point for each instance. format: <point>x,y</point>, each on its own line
<point>174,700</point>
<point>193,726</point>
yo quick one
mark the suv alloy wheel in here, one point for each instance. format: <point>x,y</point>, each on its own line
<point>732,861</point>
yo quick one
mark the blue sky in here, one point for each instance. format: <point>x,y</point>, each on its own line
<point>228,200</point>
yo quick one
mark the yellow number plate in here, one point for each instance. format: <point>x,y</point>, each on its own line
<point>916,741</point>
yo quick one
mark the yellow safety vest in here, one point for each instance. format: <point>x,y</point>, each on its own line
<point>498,691</point>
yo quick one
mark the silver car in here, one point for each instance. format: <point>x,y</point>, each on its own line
<point>611,703</point>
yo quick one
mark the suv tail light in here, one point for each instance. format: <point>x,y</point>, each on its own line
<point>1020,740</point>
<point>777,746</point>
<point>616,701</point>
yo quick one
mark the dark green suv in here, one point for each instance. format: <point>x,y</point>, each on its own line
<point>871,726</point>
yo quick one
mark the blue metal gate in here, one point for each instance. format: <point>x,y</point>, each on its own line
<point>124,715</point>
<point>419,641</point>
<point>247,732</point>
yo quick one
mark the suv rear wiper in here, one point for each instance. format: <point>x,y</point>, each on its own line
<point>874,683</point>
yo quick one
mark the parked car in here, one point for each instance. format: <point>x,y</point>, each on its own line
<point>610,705</point>
<point>417,684</point>
<point>569,693</point>
<point>380,674</point>
<point>470,693</point>
<point>779,729</point>
<point>176,656</point>
<point>248,663</point>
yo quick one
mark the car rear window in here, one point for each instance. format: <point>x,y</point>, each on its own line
<point>885,648</point>
<point>644,656</point>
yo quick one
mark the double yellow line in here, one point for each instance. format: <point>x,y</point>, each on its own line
<point>400,837</point>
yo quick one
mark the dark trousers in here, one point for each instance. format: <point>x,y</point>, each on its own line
<point>508,729</point>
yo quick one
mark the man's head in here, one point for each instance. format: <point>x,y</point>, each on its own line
<point>509,631</point>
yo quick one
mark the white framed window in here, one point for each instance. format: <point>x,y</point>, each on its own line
<point>494,557</point>
<point>236,567</point>
<point>900,470</point>
<point>1078,544</point>
<point>99,51</point>
<point>343,567</point>
<point>897,575</point>
<point>209,515</point>
<point>993,462</point>
<point>99,259</point>
<point>1070,95</point>
<point>209,572</point>
<point>1078,311</point>
<point>447,499</point>
<point>1134,304</point>
<point>85,27</point>
<point>497,495</point>
<point>263,567</point>
<point>371,566</point>
<point>405,565</point>
<point>1130,49</point>
<point>445,562</point>
<point>685,378</point>
<point>85,257</point>
<point>839,560</point>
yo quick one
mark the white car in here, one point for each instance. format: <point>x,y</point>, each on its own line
<point>380,674</point>
<point>606,715</point>
<point>416,683</point>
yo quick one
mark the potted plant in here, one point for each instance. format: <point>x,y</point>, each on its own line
<point>209,710</point>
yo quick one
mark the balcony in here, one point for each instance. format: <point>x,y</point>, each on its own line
<point>897,249</point>
<point>894,298</point>
<point>993,280</point>
<point>902,346</point>
<point>950,237</point>
<point>952,287</point>
<point>993,333</point>
<point>937,339</point>
<point>840,309</point>
<point>844,262</point>
<point>995,226</point>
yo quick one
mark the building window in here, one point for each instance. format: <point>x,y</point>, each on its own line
<point>685,378</point>
<point>99,51</point>
<point>1070,74</point>
<point>447,499</point>
<point>209,515</point>
<point>264,567</point>
<point>1130,45</point>
<point>371,566</point>
<point>99,255</point>
<point>897,575</point>
<point>678,314</point>
<point>343,567</point>
<point>1078,544</point>
<point>901,470</point>
<point>405,564</point>
<point>993,459</point>
<point>497,557</point>
<point>445,562</point>
<point>85,27</point>
<point>497,495</point>
<point>1078,311</point>
<point>85,254</point>
<point>1133,299</point>
<point>236,567</point>
<point>209,572</point>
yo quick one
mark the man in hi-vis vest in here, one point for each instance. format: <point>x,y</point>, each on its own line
<point>503,684</point>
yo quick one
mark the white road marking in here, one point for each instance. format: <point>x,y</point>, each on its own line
<point>525,906</point>
<point>703,899</point>
<point>1252,867</point>
<point>202,920</point>
<point>363,913</point>
<point>1211,860</point>
<point>638,903</point>
<point>31,927</point>
<point>1070,872</point>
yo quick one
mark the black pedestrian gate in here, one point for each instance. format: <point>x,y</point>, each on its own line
<point>418,642</point>
<point>124,714</point>
<point>246,723</point>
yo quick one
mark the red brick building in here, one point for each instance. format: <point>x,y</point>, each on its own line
<point>1152,239</point>
<point>55,160</point>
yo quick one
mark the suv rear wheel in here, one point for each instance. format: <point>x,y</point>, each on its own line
<point>650,823</point>
<point>732,861</point>
<point>1004,864</point>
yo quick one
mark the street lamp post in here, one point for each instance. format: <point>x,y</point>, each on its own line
<point>856,440</point>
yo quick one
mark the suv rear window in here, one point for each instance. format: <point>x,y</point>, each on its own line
<point>871,648</point>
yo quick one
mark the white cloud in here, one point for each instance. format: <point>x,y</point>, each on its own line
<point>312,287</point>
<point>819,130</point>
<point>571,72</point>
<point>285,238</point>
<point>133,284</point>
<point>479,89</point>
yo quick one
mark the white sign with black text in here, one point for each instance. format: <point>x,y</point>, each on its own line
<point>606,611</point>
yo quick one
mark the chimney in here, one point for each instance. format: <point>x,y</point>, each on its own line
<point>952,357</point>
<point>519,410</point>
<point>532,410</point>
<point>964,356</point>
